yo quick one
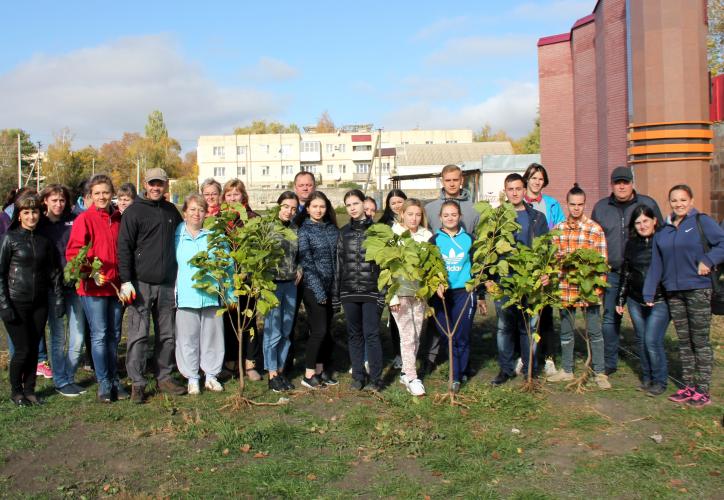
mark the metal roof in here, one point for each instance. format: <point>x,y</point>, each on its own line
<point>443,154</point>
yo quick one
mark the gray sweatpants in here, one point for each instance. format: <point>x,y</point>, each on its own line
<point>158,301</point>
<point>199,341</point>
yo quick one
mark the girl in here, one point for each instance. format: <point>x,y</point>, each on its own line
<point>279,321</point>
<point>235,192</point>
<point>649,322</point>
<point>199,331</point>
<point>407,310</point>
<point>455,244</point>
<point>682,265</point>
<point>317,248</point>
<point>29,269</point>
<point>356,289</point>
<point>99,226</point>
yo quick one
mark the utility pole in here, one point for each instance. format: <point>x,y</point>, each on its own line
<point>20,168</point>
<point>37,164</point>
<point>93,168</point>
<point>138,175</point>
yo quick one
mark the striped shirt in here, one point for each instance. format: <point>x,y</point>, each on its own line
<point>575,234</point>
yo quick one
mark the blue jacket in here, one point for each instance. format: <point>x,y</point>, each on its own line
<point>455,252</point>
<point>538,225</point>
<point>676,254</point>
<point>318,252</point>
<point>187,247</point>
<point>554,213</point>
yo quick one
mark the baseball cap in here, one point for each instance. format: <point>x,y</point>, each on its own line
<point>621,174</point>
<point>156,174</point>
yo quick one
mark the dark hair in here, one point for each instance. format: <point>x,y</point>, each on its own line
<point>127,189</point>
<point>100,179</point>
<point>304,172</point>
<point>388,216</point>
<point>329,216</point>
<point>14,194</point>
<point>450,203</point>
<point>287,195</point>
<point>681,187</point>
<point>369,198</point>
<point>575,191</point>
<point>532,169</point>
<point>514,177</point>
<point>28,200</point>
<point>56,189</point>
<point>638,211</point>
<point>354,192</point>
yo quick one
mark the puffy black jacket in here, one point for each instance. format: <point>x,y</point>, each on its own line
<point>636,262</point>
<point>29,268</point>
<point>355,278</point>
<point>146,242</point>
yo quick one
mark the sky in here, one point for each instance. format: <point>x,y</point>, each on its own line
<point>99,68</point>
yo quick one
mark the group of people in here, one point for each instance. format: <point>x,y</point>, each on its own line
<point>660,268</point>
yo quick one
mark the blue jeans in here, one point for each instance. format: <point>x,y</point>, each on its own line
<point>510,323</point>
<point>568,337</point>
<point>611,321</point>
<point>104,317</point>
<point>65,364</point>
<point>278,325</point>
<point>650,325</point>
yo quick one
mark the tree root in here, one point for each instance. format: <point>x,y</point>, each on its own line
<point>578,385</point>
<point>237,402</point>
<point>531,385</point>
<point>454,400</point>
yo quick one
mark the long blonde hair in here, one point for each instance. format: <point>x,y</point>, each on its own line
<point>414,202</point>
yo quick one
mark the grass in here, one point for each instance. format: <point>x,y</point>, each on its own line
<point>342,444</point>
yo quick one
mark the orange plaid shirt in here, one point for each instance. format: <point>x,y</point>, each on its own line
<point>584,233</point>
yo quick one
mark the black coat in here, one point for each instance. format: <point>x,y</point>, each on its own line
<point>636,262</point>
<point>29,268</point>
<point>355,278</point>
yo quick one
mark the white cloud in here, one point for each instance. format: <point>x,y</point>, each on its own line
<point>470,50</point>
<point>269,69</point>
<point>513,110</point>
<point>428,89</point>
<point>441,26</point>
<point>102,91</point>
<point>565,9</point>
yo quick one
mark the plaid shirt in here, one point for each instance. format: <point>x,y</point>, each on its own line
<point>584,233</point>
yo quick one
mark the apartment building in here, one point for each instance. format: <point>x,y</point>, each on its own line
<point>347,155</point>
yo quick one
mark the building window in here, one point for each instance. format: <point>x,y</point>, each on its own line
<point>365,147</point>
<point>342,148</point>
<point>329,148</point>
<point>362,168</point>
<point>343,169</point>
<point>330,169</point>
<point>310,147</point>
<point>428,142</point>
<point>240,171</point>
<point>309,168</point>
<point>386,167</point>
<point>241,150</point>
<point>219,171</point>
<point>405,142</point>
<point>218,151</point>
<point>287,169</point>
<point>451,142</point>
<point>285,149</point>
<point>264,149</point>
<point>265,170</point>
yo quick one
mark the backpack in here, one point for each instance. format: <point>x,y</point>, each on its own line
<point>717,275</point>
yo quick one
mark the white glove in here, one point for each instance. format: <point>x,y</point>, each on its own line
<point>128,293</point>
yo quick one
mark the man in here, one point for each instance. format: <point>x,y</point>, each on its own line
<point>613,214</point>
<point>304,185</point>
<point>452,189</point>
<point>147,265</point>
<point>510,319</point>
<point>578,231</point>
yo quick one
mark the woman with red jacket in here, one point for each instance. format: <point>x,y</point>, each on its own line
<point>99,226</point>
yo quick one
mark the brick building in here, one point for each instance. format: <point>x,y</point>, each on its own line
<point>628,85</point>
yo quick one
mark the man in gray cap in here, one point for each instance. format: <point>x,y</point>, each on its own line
<point>613,213</point>
<point>147,265</point>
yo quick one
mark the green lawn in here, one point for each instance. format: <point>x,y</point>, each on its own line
<point>337,443</point>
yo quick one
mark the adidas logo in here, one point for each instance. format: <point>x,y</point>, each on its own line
<point>452,260</point>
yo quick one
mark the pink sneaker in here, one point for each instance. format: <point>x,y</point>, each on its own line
<point>43,370</point>
<point>699,399</point>
<point>682,395</point>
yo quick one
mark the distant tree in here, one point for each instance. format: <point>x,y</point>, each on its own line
<point>530,144</point>
<point>9,158</point>
<point>486,134</point>
<point>160,149</point>
<point>118,158</point>
<point>262,127</point>
<point>715,40</point>
<point>189,168</point>
<point>156,129</point>
<point>325,123</point>
<point>63,165</point>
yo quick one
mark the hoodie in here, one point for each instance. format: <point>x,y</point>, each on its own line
<point>455,250</point>
<point>470,216</point>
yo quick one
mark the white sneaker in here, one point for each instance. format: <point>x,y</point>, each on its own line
<point>404,380</point>
<point>519,367</point>
<point>213,385</point>
<point>397,363</point>
<point>367,367</point>
<point>416,388</point>
<point>193,387</point>
<point>560,376</point>
<point>550,367</point>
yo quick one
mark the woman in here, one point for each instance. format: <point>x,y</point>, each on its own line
<point>211,191</point>
<point>356,289</point>
<point>199,330</point>
<point>29,269</point>
<point>393,211</point>
<point>409,311</point>
<point>317,248</point>
<point>455,244</point>
<point>680,263</point>
<point>649,322</point>
<point>99,226</point>
<point>234,192</point>
<point>279,322</point>
<point>66,347</point>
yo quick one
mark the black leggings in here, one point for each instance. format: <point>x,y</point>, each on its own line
<point>394,335</point>
<point>250,347</point>
<point>25,331</point>
<point>320,344</point>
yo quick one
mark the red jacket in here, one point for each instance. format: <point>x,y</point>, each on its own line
<point>100,228</point>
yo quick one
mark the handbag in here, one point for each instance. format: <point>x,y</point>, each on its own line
<point>717,276</point>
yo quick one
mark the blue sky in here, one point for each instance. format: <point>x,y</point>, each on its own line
<point>214,65</point>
